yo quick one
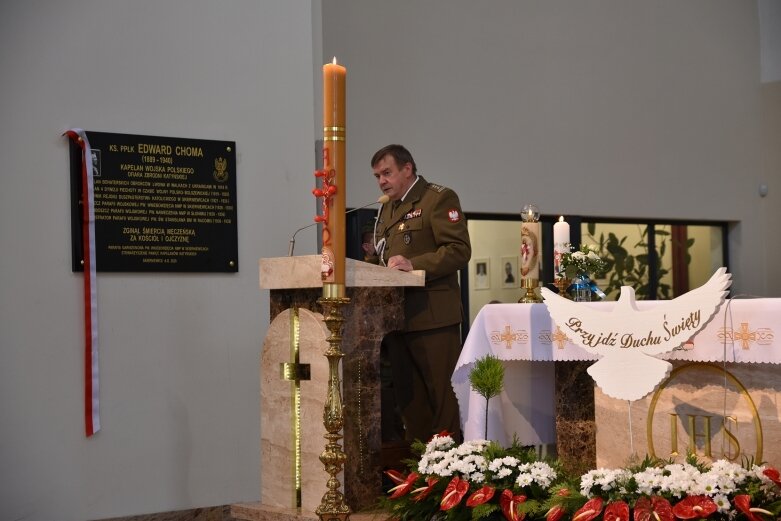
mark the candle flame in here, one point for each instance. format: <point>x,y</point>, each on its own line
<point>561,218</point>
<point>334,61</point>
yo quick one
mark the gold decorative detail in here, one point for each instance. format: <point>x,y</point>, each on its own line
<point>508,336</point>
<point>531,296</point>
<point>331,290</point>
<point>334,129</point>
<point>332,506</point>
<point>220,169</point>
<point>762,336</point>
<point>359,412</point>
<point>293,371</point>
<point>727,376</point>
<point>560,338</point>
<point>562,283</point>
<point>333,138</point>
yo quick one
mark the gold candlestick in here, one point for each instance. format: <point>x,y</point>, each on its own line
<point>332,506</point>
<point>562,283</point>
<point>531,296</point>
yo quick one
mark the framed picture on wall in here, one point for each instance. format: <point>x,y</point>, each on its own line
<point>482,273</point>
<point>510,275</point>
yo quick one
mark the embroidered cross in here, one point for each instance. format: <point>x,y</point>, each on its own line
<point>744,335</point>
<point>508,336</point>
<point>560,338</point>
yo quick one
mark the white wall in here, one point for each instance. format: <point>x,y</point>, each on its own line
<point>599,108</point>
<point>179,352</point>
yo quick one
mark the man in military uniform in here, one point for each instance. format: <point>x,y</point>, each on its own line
<point>422,228</point>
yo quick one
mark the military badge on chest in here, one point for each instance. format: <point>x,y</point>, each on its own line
<point>412,214</point>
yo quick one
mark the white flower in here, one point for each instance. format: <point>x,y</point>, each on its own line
<point>722,502</point>
<point>606,479</point>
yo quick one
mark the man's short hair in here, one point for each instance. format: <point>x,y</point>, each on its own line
<point>400,154</point>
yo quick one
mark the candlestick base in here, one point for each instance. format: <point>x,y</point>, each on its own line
<point>531,296</point>
<point>332,506</point>
<point>562,283</point>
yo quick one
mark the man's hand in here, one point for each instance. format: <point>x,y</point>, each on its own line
<point>400,262</point>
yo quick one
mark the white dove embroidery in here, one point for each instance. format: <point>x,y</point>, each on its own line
<point>628,339</point>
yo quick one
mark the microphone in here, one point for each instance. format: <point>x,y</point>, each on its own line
<point>292,243</point>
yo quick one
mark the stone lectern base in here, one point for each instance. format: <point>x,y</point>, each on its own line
<point>260,512</point>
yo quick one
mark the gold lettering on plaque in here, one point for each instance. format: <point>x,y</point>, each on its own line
<point>678,405</point>
<point>693,435</point>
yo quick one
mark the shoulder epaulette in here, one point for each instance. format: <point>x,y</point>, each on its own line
<point>435,187</point>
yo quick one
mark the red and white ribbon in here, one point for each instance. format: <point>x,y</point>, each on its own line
<point>91,374</point>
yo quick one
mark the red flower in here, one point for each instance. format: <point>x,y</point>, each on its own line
<point>653,509</point>
<point>441,434</point>
<point>694,507</point>
<point>589,511</point>
<point>480,496</point>
<point>395,476</point>
<point>773,475</point>
<point>454,493</point>
<point>423,492</point>
<point>555,513</point>
<point>743,503</point>
<point>509,504</point>
<point>405,487</point>
<point>616,511</point>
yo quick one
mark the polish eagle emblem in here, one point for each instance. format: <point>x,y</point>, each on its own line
<point>629,339</point>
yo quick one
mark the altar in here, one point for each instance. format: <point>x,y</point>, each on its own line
<point>722,399</point>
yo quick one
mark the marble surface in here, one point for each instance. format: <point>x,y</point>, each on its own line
<point>575,419</point>
<point>216,513</point>
<point>304,272</point>
<point>260,512</point>
<point>277,447</point>
<point>697,395</point>
<point>371,314</point>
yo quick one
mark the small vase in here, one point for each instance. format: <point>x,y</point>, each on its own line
<point>581,288</point>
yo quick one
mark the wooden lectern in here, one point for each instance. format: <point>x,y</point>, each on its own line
<point>376,308</point>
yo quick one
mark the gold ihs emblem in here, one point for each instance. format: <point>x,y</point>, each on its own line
<point>221,169</point>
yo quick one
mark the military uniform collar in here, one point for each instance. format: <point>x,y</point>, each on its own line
<point>412,196</point>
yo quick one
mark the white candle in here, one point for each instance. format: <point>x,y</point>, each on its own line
<point>560,244</point>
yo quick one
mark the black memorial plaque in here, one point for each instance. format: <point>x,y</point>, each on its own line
<point>161,204</point>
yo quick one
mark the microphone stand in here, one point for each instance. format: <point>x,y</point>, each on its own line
<point>292,243</point>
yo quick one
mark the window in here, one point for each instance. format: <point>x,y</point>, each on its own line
<point>660,259</point>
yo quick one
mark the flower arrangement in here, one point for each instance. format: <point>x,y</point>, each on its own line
<point>585,261</point>
<point>480,480</point>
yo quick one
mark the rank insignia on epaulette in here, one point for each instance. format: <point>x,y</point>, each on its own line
<point>435,187</point>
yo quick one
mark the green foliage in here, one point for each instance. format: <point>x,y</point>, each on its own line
<point>487,377</point>
<point>626,269</point>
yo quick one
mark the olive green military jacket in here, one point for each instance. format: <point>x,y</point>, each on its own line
<point>429,229</point>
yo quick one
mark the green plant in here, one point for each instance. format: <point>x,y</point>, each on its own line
<point>487,379</point>
<point>627,269</point>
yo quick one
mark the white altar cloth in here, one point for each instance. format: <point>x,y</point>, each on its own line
<point>741,331</point>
